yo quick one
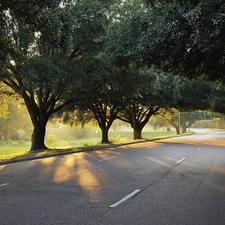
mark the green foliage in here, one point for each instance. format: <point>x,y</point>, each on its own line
<point>123,33</point>
<point>15,121</point>
<point>7,96</point>
<point>187,119</point>
<point>152,91</point>
<point>98,58</point>
<point>50,53</point>
<point>182,37</point>
<point>155,3</point>
<point>202,49</point>
<point>217,101</point>
<point>194,95</point>
<point>158,122</point>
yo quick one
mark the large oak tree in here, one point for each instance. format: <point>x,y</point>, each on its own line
<point>48,54</point>
<point>153,91</point>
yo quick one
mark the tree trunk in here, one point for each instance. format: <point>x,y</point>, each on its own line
<point>105,138</point>
<point>38,138</point>
<point>39,116</point>
<point>176,126</point>
<point>184,126</point>
<point>137,129</point>
<point>137,134</point>
<point>184,129</point>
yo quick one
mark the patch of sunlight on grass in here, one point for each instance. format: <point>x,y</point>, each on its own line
<point>11,153</point>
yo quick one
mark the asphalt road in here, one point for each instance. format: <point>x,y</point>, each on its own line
<point>177,181</point>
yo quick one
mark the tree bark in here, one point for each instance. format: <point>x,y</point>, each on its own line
<point>137,133</point>
<point>185,126</point>
<point>184,129</point>
<point>176,126</point>
<point>38,138</point>
<point>39,116</point>
<point>105,138</point>
<point>137,129</point>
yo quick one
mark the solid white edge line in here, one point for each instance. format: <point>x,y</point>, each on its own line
<point>107,158</point>
<point>125,198</point>
<point>1,185</point>
<point>180,160</point>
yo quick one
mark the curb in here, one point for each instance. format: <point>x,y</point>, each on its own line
<point>16,160</point>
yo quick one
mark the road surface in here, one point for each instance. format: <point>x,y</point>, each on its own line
<point>176,181</point>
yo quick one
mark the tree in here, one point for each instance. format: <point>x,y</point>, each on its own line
<point>152,92</point>
<point>111,100</point>
<point>186,119</point>
<point>49,53</point>
<point>180,37</point>
<point>194,95</point>
<point>6,97</point>
<point>16,120</point>
<point>105,114</point>
<point>124,48</point>
<point>191,43</point>
<point>123,34</point>
<point>104,104</point>
<point>158,121</point>
<point>217,100</point>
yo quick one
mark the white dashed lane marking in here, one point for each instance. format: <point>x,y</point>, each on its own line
<point>1,185</point>
<point>125,198</point>
<point>180,160</point>
<point>107,158</point>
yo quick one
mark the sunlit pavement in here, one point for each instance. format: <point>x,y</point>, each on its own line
<point>172,181</point>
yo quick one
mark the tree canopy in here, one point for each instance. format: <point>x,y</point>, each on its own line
<point>185,39</point>
<point>49,55</point>
<point>57,54</point>
<point>152,92</point>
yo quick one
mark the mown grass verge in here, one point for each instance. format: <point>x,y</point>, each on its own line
<point>14,151</point>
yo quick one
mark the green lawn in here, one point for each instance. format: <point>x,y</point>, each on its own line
<point>9,151</point>
<point>61,140</point>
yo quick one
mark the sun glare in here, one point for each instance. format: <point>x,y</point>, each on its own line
<point>2,167</point>
<point>160,162</point>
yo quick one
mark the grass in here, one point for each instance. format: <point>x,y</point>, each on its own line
<point>61,142</point>
<point>8,151</point>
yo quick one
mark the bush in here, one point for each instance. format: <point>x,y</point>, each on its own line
<point>168,129</point>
